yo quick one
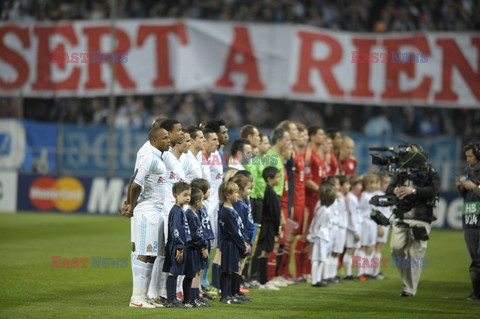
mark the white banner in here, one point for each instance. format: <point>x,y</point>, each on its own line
<point>8,192</point>
<point>279,61</point>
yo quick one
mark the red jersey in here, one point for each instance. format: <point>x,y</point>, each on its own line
<point>349,166</point>
<point>314,170</point>
<point>331,165</point>
<point>284,198</point>
<point>299,198</point>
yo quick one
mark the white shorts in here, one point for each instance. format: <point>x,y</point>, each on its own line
<point>350,241</point>
<point>320,250</point>
<point>167,207</point>
<point>369,233</point>
<point>214,223</point>
<point>383,239</point>
<point>339,239</point>
<point>132,230</point>
<point>149,235</point>
<point>213,217</point>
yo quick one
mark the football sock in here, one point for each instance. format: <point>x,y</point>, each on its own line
<point>187,289</point>
<point>171,288</point>
<point>347,264</point>
<point>142,273</point>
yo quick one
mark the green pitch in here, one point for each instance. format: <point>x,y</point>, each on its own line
<point>31,288</point>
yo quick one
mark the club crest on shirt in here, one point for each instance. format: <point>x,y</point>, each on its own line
<point>173,175</point>
<point>149,248</point>
<point>219,176</point>
<point>176,233</point>
<point>161,180</point>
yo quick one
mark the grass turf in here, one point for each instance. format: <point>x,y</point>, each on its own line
<point>31,288</point>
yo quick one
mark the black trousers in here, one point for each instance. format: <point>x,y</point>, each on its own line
<point>472,239</point>
<point>257,210</point>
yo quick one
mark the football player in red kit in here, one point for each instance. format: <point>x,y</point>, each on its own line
<point>315,171</point>
<point>348,163</point>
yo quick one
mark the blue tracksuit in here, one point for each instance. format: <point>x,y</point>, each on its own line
<point>178,237</point>
<point>245,212</point>
<point>194,262</point>
<point>233,243</point>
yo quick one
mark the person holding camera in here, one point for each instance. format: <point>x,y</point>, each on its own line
<point>469,188</point>
<point>415,186</point>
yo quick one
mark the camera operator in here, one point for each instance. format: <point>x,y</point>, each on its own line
<point>414,214</point>
<point>468,187</point>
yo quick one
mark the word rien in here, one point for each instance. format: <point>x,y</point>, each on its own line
<point>398,262</point>
<point>97,262</point>
<point>214,159</point>
<point>383,57</point>
<point>85,57</point>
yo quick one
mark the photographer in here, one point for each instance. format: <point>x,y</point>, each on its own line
<point>468,187</point>
<point>415,186</point>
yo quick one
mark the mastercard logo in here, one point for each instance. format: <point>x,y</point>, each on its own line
<point>65,194</point>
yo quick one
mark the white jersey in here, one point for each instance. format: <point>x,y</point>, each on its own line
<point>355,218</point>
<point>175,174</point>
<point>341,209</point>
<point>191,166</point>
<point>365,207</point>
<point>216,178</point>
<point>235,163</point>
<point>321,223</point>
<point>151,177</point>
<point>204,166</point>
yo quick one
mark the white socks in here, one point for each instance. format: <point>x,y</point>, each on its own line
<point>347,264</point>
<point>333,266</point>
<point>376,271</point>
<point>360,270</point>
<point>142,273</point>
<point>330,268</point>
<point>162,289</point>
<point>317,269</point>
<point>153,288</point>
<point>315,265</point>
<point>180,283</point>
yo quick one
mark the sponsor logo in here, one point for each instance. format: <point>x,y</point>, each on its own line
<point>65,194</point>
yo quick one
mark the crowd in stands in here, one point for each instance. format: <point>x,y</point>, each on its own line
<point>351,15</point>
<point>139,112</point>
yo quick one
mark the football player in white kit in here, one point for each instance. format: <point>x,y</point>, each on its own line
<point>146,199</point>
<point>383,230</point>
<point>211,144</point>
<point>354,227</point>
<point>369,227</point>
<point>190,164</point>
<point>175,174</point>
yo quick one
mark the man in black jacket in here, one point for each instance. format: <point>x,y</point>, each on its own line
<point>417,196</point>
<point>469,187</point>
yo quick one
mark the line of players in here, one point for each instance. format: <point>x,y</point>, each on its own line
<point>198,153</point>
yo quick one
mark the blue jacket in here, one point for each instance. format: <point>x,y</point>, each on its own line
<point>196,232</point>
<point>178,230</point>
<point>207,227</point>
<point>245,212</point>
